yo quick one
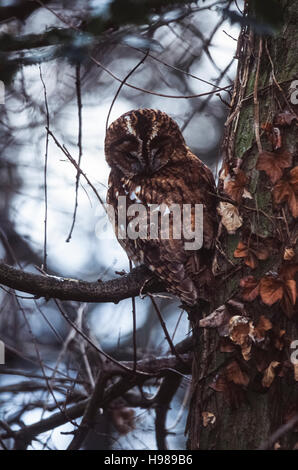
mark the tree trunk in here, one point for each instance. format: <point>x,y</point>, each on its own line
<point>245,395</point>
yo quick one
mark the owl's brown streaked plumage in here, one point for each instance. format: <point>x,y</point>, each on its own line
<point>151,164</point>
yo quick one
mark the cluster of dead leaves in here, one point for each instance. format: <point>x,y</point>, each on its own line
<point>273,288</point>
<point>234,187</point>
<point>244,333</point>
<point>240,331</point>
<point>236,329</point>
<point>275,163</point>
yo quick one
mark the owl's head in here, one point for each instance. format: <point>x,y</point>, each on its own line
<point>142,141</point>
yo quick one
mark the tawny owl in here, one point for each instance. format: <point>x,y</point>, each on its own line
<point>151,165</point>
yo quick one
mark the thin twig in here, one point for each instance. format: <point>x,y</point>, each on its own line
<point>134,327</point>
<point>123,83</point>
<point>163,325</point>
<point>99,350</point>
<point>72,160</point>
<point>150,92</point>
<point>45,171</point>
<point>79,104</point>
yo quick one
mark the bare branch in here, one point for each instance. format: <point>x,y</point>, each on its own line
<point>163,366</point>
<point>114,290</point>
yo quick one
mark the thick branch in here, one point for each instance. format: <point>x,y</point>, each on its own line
<point>114,290</point>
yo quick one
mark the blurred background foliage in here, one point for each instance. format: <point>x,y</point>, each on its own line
<point>54,56</point>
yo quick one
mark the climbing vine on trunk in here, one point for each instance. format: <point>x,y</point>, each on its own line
<point>245,383</point>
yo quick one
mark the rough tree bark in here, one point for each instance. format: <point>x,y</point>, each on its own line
<point>244,386</point>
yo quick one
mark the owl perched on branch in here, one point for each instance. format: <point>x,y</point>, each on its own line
<point>153,169</point>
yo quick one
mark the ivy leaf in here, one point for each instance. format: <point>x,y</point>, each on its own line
<point>289,298</point>
<point>270,374</point>
<point>271,289</point>
<point>230,216</point>
<point>288,271</point>
<point>287,190</point>
<point>234,374</point>
<point>274,163</point>
<point>275,288</point>
<point>250,288</point>
<point>251,251</point>
<point>235,187</point>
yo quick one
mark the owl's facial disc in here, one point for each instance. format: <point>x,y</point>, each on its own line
<point>159,152</point>
<point>142,142</point>
<point>127,155</point>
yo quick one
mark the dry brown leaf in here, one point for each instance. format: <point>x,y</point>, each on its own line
<point>208,418</point>
<point>224,172</point>
<point>234,374</point>
<point>234,187</point>
<point>230,217</point>
<point>288,271</point>
<point>278,342</point>
<point>286,190</point>
<point>251,251</point>
<point>269,374</point>
<point>241,250</point>
<point>246,351</point>
<point>289,297</point>
<point>263,325</point>
<point>250,288</point>
<point>239,329</point>
<point>274,163</point>
<point>289,254</point>
<point>271,289</point>
<point>219,384</point>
